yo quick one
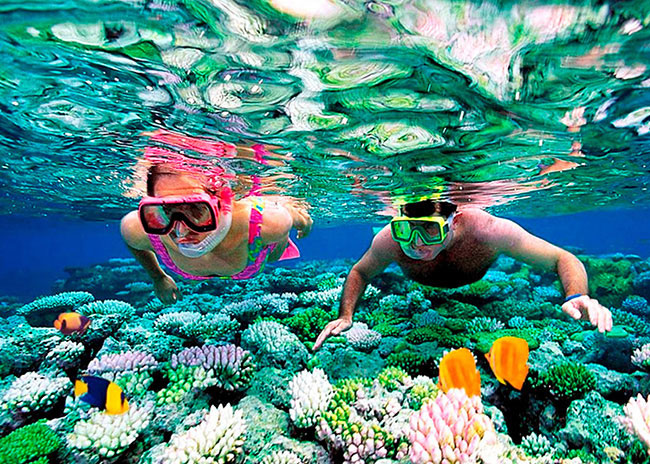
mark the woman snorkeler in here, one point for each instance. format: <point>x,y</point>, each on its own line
<point>191,221</point>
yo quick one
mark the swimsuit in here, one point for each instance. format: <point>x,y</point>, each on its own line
<point>257,253</point>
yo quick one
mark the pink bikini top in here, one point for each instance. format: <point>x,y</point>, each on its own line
<point>257,253</point>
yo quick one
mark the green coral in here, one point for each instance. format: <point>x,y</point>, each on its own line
<point>410,362</point>
<point>484,340</point>
<point>434,333</point>
<point>387,330</point>
<point>308,323</point>
<point>609,281</point>
<point>32,442</point>
<point>459,310</point>
<point>566,381</point>
<point>393,378</point>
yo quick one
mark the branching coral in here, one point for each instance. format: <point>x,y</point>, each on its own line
<point>109,435</point>
<point>226,366</point>
<point>449,429</point>
<point>310,395</point>
<point>218,439</point>
<point>28,444</point>
<point>34,393</point>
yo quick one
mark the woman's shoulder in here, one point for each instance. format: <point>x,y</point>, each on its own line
<point>133,233</point>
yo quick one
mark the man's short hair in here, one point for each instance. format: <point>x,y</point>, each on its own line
<point>428,208</point>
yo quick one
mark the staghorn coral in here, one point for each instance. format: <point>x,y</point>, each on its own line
<point>449,429</point>
<point>218,439</point>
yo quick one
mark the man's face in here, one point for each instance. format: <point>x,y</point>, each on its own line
<point>418,249</point>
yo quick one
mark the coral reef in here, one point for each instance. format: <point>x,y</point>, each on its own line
<point>227,374</point>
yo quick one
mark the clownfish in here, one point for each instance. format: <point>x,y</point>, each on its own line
<point>508,358</point>
<point>458,370</point>
<point>69,323</point>
<point>101,393</point>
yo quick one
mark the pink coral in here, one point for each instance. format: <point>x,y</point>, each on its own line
<point>233,365</point>
<point>637,418</point>
<point>449,429</point>
<point>133,361</point>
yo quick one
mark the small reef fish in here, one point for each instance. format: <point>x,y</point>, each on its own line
<point>508,358</point>
<point>101,393</point>
<point>458,370</point>
<point>69,323</point>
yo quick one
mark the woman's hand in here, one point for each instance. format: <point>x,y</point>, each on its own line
<point>585,308</point>
<point>333,328</point>
<point>302,221</point>
<point>166,290</point>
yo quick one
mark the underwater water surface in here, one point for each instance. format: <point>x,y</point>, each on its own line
<point>535,111</point>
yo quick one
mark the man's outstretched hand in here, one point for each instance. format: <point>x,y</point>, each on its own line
<point>333,328</point>
<point>585,308</point>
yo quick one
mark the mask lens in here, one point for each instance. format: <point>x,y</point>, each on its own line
<point>198,214</point>
<point>401,231</point>
<point>154,217</point>
<point>430,232</point>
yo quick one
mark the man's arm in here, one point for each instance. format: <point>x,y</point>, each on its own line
<point>511,239</point>
<point>373,262</point>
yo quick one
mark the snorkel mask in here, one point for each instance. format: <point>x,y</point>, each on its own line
<point>202,213</point>
<point>432,230</point>
<point>421,238</point>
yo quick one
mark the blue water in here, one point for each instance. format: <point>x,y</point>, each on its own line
<point>39,249</point>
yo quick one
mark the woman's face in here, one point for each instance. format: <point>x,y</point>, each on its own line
<point>180,185</point>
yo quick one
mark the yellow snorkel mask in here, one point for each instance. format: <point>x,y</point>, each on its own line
<point>432,230</point>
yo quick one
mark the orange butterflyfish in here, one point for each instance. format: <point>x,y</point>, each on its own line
<point>69,323</point>
<point>458,370</point>
<point>508,359</point>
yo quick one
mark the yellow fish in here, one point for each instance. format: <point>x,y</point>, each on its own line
<point>101,393</point>
<point>508,358</point>
<point>458,370</point>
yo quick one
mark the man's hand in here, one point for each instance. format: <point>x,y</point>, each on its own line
<point>585,308</point>
<point>333,328</point>
<point>166,290</point>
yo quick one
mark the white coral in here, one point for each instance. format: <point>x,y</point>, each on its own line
<point>218,439</point>
<point>109,435</point>
<point>361,338</point>
<point>310,395</point>
<point>34,392</point>
<point>282,457</point>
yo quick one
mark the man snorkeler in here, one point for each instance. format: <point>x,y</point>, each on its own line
<point>439,245</point>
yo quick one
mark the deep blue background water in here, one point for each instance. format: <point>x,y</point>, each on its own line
<point>35,251</point>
